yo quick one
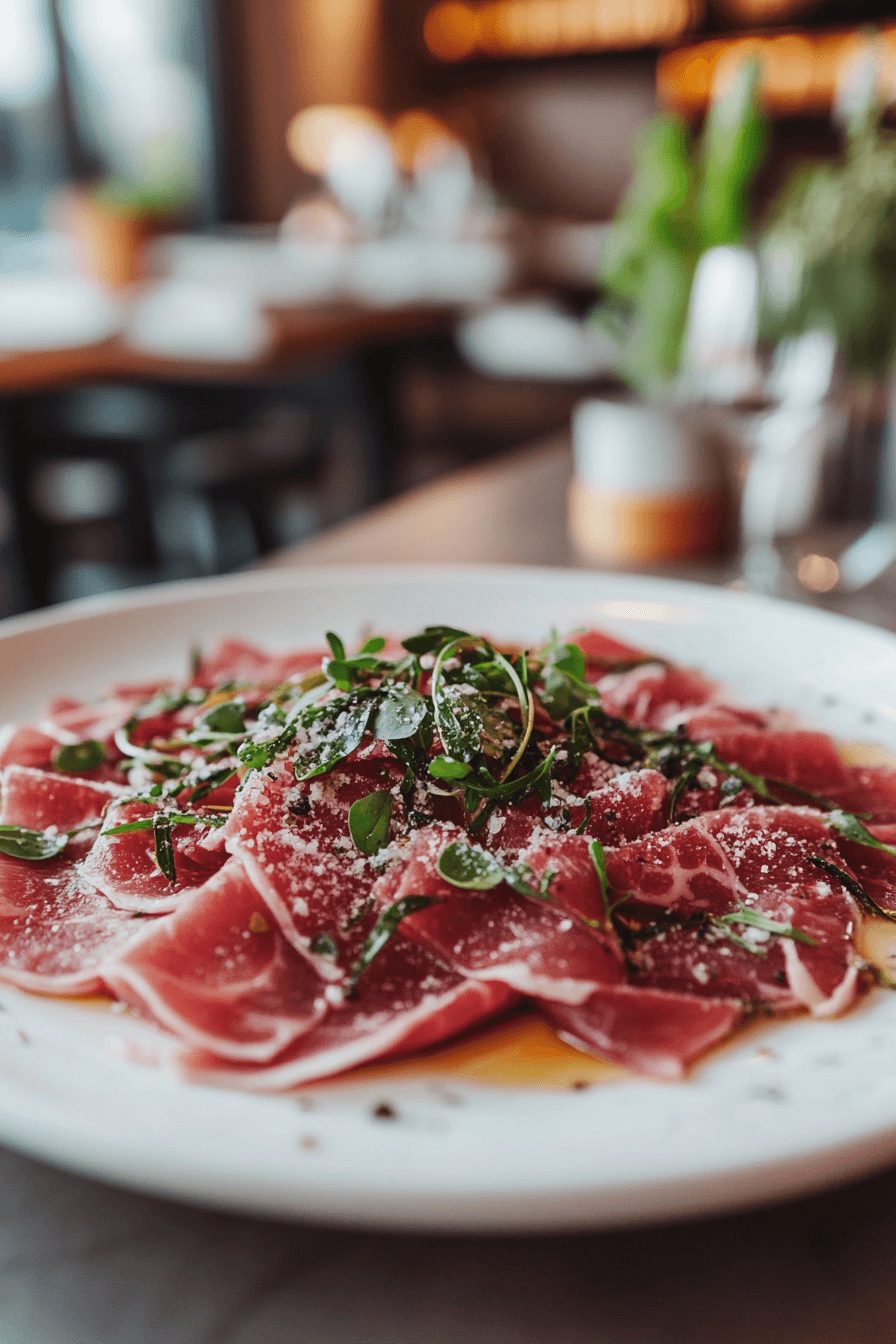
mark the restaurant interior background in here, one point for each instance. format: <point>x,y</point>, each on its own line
<point>264,263</point>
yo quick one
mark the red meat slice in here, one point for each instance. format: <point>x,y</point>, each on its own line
<point>295,844</point>
<point>870,790</point>
<point>235,660</point>
<point>21,745</point>
<point>654,696</point>
<point>533,946</point>
<point>220,975</point>
<point>124,867</point>
<point>630,806</point>
<point>651,1031</point>
<point>603,651</point>
<point>55,928</point>
<point>766,851</point>
<point>807,759</point>
<point>704,961</point>
<point>682,869</point>
<point>406,1001</point>
<point>42,800</point>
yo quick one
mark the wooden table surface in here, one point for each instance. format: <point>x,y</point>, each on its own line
<point>299,333</point>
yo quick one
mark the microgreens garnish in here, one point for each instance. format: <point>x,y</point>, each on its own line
<point>76,757</point>
<point>384,929</point>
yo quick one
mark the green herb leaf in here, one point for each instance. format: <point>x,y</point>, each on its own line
<point>228,718</point>
<point>686,780</point>
<point>583,826</point>
<point>322,945</point>
<point>443,767</point>
<point>77,757</point>
<point>337,647</point>
<point>257,755</point>
<point>164,845</point>
<point>383,930</point>
<point>536,781</point>
<point>851,828</point>
<point>212,782</point>
<point>432,638</point>
<point>598,858</point>
<point>755,920</point>
<point>375,645</point>
<point>399,713</point>
<point>368,821</point>
<point>469,867</point>
<point>854,887</point>
<point>345,731</point>
<point>20,842</point>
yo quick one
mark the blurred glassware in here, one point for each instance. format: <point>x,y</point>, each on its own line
<point>819,499</point>
<point>818,507</point>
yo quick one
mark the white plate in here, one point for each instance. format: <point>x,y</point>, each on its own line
<point>787,1108</point>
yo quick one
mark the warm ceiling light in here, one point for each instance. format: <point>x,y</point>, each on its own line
<point>801,72</point>
<point>454,31</point>
<point>312,134</point>
<point>451,31</point>
<point>766,11</point>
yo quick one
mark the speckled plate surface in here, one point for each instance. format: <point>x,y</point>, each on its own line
<point>786,1108</point>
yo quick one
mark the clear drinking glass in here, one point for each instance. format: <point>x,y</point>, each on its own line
<point>818,503</point>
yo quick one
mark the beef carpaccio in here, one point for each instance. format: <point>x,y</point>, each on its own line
<point>298,863</point>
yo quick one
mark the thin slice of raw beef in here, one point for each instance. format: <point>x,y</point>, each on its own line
<point>235,660</point>
<point>655,696</point>
<point>124,867</point>
<point>41,800</point>
<point>406,1001</point>
<point>219,974</point>
<point>533,946</point>
<point>651,1031</point>
<point>294,842</point>
<point>55,928</point>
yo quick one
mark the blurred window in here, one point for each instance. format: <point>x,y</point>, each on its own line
<point>95,88</point>
<point>31,158</point>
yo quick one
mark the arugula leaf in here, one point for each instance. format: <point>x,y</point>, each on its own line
<point>20,842</point>
<point>161,826</point>
<point>212,782</point>
<point>443,767</point>
<point>77,757</point>
<point>853,886</point>
<point>598,858</point>
<point>851,828</point>
<point>337,647</point>
<point>375,645</point>
<point>458,715</point>
<point>399,713</point>
<point>469,867</point>
<point>322,945</point>
<point>344,734</point>
<point>256,755</point>
<point>368,821</point>
<point>173,819</point>
<point>582,828</point>
<point>227,719</point>
<point>537,781</point>
<point>432,638</point>
<point>755,920</point>
<point>383,930</point>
